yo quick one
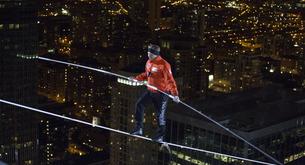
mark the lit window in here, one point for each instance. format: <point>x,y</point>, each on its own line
<point>11,26</point>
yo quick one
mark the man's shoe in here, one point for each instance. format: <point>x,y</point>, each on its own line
<point>158,139</point>
<point>160,134</point>
<point>137,131</point>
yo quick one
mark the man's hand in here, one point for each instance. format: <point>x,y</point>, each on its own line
<point>176,99</point>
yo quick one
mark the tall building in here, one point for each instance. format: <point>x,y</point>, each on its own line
<point>127,150</point>
<point>53,132</point>
<point>91,27</point>
<point>188,61</point>
<point>258,115</point>
<point>108,25</point>
<point>55,34</point>
<point>191,22</point>
<point>146,13</point>
<point>53,79</point>
<point>238,67</point>
<point>55,27</point>
<point>139,12</point>
<point>18,47</point>
<point>154,14</point>
<point>89,90</point>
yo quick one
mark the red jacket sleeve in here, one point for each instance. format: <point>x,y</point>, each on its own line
<point>171,83</point>
<point>141,77</point>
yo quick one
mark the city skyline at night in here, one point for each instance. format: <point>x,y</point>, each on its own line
<point>240,63</point>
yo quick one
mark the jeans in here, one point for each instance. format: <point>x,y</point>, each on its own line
<point>159,101</point>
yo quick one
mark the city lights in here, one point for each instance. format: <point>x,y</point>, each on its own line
<point>240,62</point>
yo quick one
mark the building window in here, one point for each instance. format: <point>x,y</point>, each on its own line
<point>11,26</point>
<point>14,26</point>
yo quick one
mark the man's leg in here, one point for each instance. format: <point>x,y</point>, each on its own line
<point>140,107</point>
<point>160,103</point>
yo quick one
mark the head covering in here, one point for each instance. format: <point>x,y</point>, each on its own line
<point>154,49</point>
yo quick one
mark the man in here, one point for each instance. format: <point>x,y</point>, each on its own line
<point>158,74</point>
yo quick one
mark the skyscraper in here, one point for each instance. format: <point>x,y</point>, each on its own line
<point>154,14</point>
<point>18,45</point>
<point>127,150</point>
<point>146,13</point>
<point>265,123</point>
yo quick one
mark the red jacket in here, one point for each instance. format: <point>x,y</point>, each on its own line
<point>158,74</point>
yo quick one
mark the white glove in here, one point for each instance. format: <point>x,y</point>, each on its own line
<point>176,99</point>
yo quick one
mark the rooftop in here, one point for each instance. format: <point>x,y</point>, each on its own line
<point>253,109</point>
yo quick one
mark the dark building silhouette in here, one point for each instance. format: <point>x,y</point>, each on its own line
<point>18,45</point>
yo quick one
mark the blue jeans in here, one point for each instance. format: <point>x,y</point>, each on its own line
<point>159,101</point>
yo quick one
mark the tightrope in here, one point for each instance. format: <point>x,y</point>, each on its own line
<point>128,134</point>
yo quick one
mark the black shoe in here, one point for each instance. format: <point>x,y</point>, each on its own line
<point>137,131</point>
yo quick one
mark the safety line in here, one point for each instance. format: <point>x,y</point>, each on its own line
<point>102,71</point>
<point>153,87</point>
<point>128,134</point>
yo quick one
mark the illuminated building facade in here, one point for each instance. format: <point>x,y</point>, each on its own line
<point>53,133</point>
<point>55,34</point>
<point>89,90</point>
<point>126,150</point>
<point>53,81</point>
